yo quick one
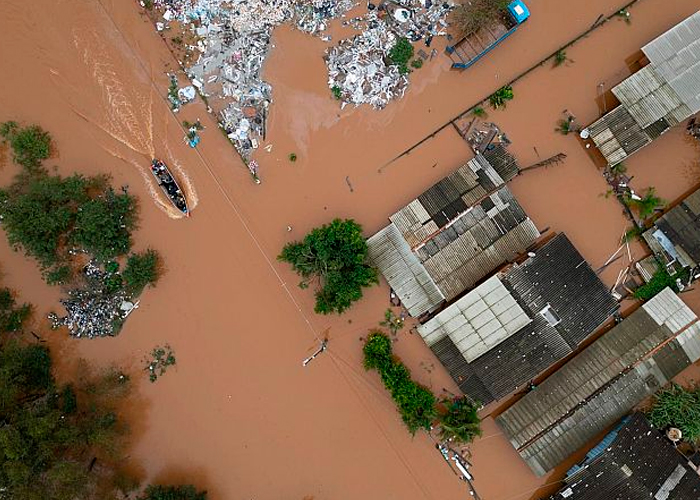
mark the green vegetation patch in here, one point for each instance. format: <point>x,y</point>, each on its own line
<point>400,54</point>
<point>499,98</point>
<point>335,256</point>
<point>675,406</point>
<point>658,282</point>
<point>30,145</point>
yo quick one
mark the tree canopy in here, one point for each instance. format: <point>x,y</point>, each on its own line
<point>12,315</point>
<point>185,492</point>
<point>677,407</point>
<point>336,255</point>
<point>141,269</point>
<point>30,145</point>
<point>461,421</point>
<point>47,215</point>
<point>473,15</point>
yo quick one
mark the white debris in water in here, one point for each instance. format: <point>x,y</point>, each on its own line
<point>357,71</point>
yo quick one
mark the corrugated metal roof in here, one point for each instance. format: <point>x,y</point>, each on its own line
<point>676,57</point>
<point>604,382</point>
<point>557,279</point>
<point>655,98</point>
<point>681,226</point>
<point>403,271</point>
<point>640,464</point>
<point>479,321</point>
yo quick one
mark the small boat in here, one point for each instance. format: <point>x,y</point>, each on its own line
<point>169,185</point>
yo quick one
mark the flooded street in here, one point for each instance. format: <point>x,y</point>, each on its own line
<point>238,414</point>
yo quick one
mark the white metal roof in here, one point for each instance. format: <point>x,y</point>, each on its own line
<point>479,321</point>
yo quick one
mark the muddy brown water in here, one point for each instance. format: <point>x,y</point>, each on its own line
<point>238,413</point>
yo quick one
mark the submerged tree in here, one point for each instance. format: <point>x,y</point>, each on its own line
<point>30,145</point>
<point>499,98</point>
<point>141,269</point>
<point>647,204</point>
<point>184,492</point>
<point>461,421</point>
<point>12,316</point>
<point>471,16</point>
<point>335,254</point>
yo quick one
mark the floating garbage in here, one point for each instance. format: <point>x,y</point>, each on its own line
<point>93,310</point>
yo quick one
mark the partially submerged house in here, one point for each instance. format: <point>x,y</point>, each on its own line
<point>453,235</point>
<point>604,382</point>
<point>675,236</point>
<point>634,462</point>
<point>657,97</point>
<point>519,322</point>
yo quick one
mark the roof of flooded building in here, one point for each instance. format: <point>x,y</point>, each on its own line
<point>640,464</point>
<point>676,234</point>
<point>455,233</point>
<point>512,327</point>
<point>655,98</point>
<point>604,382</point>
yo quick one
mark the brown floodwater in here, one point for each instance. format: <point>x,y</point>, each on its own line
<point>238,413</point>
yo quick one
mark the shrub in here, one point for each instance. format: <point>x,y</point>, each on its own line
<point>658,282</point>
<point>563,127</point>
<point>292,157</point>
<point>30,145</point>
<point>400,54</point>
<point>335,254</point>
<point>560,58</point>
<point>141,269</point>
<point>479,112</point>
<point>337,92</point>
<point>499,98</point>
<point>675,406</point>
<point>58,275</point>
<point>417,63</point>
<point>415,403</point>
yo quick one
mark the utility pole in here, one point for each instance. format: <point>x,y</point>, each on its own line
<point>322,347</point>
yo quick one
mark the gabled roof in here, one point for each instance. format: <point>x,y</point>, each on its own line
<point>455,234</point>
<point>639,464</point>
<point>604,382</point>
<point>655,98</point>
<point>676,234</point>
<point>559,301</point>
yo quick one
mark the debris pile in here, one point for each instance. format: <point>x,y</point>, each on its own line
<point>312,16</point>
<point>358,73</point>
<point>357,69</point>
<point>93,310</point>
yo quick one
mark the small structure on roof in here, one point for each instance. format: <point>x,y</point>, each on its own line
<point>452,236</point>
<point>634,462</point>
<point>604,382</point>
<point>518,323</point>
<point>675,236</point>
<point>655,98</point>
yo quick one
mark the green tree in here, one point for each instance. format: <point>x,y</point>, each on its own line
<point>38,213</point>
<point>103,225</point>
<point>12,316</point>
<point>335,254</point>
<point>660,280</point>
<point>675,406</point>
<point>461,420</point>
<point>30,145</point>
<point>184,492</point>
<point>141,269</point>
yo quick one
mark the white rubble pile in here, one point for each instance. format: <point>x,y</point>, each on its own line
<point>357,68</point>
<point>358,73</point>
<point>312,16</point>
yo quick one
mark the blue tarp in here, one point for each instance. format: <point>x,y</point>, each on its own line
<point>519,11</point>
